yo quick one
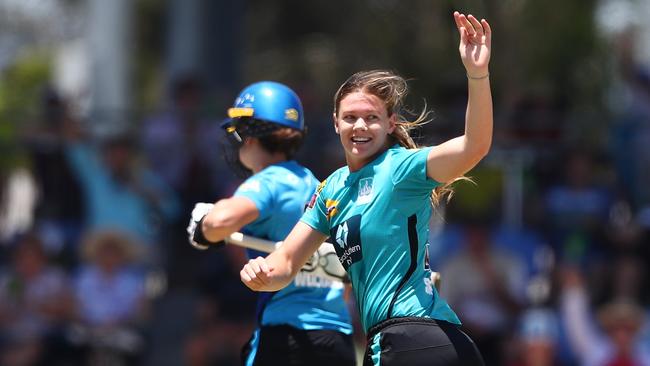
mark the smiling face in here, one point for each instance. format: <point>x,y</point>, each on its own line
<point>363,124</point>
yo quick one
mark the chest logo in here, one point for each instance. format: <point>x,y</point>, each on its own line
<point>348,241</point>
<point>365,191</point>
<point>342,235</point>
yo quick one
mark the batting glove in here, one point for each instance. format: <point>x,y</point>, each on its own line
<point>195,237</point>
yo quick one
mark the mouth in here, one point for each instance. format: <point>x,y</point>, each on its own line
<point>360,140</point>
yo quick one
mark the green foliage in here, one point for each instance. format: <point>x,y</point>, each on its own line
<point>148,66</point>
<point>21,87</point>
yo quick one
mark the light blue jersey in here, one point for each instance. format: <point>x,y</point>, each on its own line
<point>280,193</point>
<point>378,218</point>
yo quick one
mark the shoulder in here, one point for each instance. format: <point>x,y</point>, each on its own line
<point>399,158</point>
<point>400,153</point>
<point>289,175</point>
<point>329,184</point>
<point>255,183</point>
<point>335,179</point>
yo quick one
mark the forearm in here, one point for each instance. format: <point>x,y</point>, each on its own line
<point>479,116</point>
<point>216,228</point>
<point>457,156</point>
<point>575,310</point>
<point>475,48</point>
<point>226,217</point>
<point>277,270</point>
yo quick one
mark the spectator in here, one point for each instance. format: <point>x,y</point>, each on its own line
<point>575,209</point>
<point>59,210</point>
<point>487,286</point>
<point>35,301</point>
<point>618,339</point>
<point>118,193</point>
<point>174,139</point>
<point>173,142</point>
<point>537,338</point>
<point>110,296</point>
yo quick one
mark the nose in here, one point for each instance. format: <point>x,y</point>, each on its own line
<point>360,124</point>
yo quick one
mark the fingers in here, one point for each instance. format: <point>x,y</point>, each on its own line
<point>463,22</point>
<point>488,31</point>
<point>470,26</point>
<point>459,25</point>
<point>255,274</point>
<point>476,25</point>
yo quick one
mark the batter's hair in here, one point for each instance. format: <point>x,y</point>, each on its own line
<point>392,90</point>
<point>283,140</point>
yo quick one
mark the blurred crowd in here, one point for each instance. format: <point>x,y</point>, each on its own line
<point>95,267</point>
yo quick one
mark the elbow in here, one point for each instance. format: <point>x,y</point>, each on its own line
<point>479,151</point>
<point>483,149</point>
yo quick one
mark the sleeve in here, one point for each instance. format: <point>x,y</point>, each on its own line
<point>410,169</point>
<point>168,203</point>
<point>84,161</point>
<point>583,338</point>
<point>260,190</point>
<point>316,213</point>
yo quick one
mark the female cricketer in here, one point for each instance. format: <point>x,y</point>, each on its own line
<point>377,210</point>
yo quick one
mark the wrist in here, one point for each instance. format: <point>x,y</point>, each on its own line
<point>200,238</point>
<point>478,77</point>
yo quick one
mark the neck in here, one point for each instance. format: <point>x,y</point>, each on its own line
<point>265,160</point>
<point>355,164</point>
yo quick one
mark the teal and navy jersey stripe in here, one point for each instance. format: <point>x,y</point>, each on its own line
<point>280,193</point>
<point>378,218</point>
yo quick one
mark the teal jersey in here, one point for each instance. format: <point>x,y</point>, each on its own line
<point>378,218</point>
<point>280,192</point>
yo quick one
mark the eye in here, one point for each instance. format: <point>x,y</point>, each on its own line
<point>349,118</point>
<point>372,117</point>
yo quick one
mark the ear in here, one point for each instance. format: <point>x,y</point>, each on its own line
<point>250,140</point>
<point>392,123</point>
<point>336,123</point>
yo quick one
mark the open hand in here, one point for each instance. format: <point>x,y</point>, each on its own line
<point>475,44</point>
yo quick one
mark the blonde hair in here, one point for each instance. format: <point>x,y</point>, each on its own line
<point>392,89</point>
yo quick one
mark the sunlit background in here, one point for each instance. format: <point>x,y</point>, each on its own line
<point>109,133</point>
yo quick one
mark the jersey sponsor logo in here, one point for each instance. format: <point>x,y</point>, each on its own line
<point>365,191</point>
<point>348,241</point>
<point>304,279</point>
<point>330,207</point>
<point>342,235</point>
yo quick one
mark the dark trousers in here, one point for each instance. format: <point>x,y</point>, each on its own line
<point>417,341</point>
<point>286,345</point>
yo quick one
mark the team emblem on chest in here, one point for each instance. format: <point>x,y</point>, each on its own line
<point>365,191</point>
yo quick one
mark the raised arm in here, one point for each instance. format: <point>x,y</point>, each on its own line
<point>276,271</point>
<point>457,156</point>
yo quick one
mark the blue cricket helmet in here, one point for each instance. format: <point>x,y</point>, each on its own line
<point>270,102</point>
